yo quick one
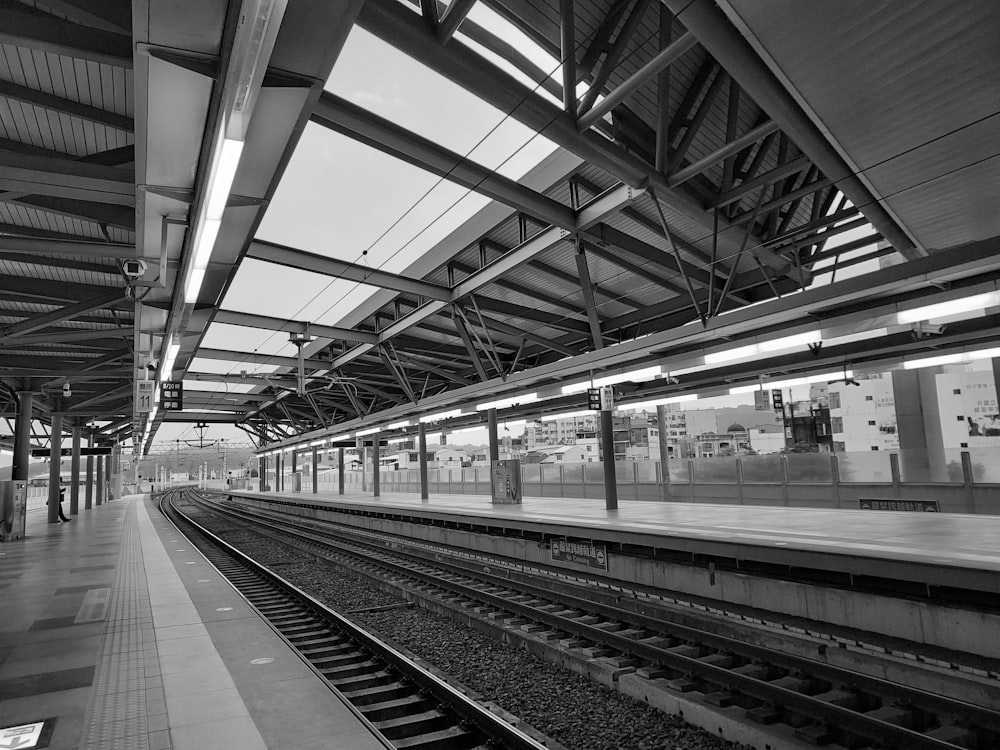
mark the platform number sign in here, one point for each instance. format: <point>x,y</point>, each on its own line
<point>143,396</point>
<point>172,395</point>
<point>776,401</point>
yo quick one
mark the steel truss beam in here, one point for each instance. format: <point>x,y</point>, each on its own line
<point>27,27</point>
<point>66,106</point>
<point>344,117</point>
<point>250,320</point>
<point>719,37</point>
<point>407,32</point>
<point>65,178</point>
<point>62,314</point>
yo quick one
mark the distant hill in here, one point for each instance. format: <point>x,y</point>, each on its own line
<point>40,469</point>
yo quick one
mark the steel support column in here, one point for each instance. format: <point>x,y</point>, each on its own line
<point>422,459</point>
<point>376,452</point>
<point>88,496</point>
<point>315,470</point>
<point>661,427</point>
<point>74,476</point>
<point>55,464</point>
<point>608,446</point>
<point>108,496</point>
<point>99,495</point>
<point>340,471</point>
<point>491,416</point>
<point>22,435</point>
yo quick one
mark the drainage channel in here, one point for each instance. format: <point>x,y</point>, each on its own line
<point>820,703</point>
<point>408,706</point>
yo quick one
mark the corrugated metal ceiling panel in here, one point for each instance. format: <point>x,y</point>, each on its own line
<point>884,79</point>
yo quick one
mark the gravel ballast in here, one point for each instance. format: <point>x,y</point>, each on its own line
<point>568,707</point>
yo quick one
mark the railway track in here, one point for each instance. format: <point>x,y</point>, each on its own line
<point>823,704</point>
<point>405,705</point>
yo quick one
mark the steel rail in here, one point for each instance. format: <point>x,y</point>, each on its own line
<point>760,689</point>
<point>448,698</point>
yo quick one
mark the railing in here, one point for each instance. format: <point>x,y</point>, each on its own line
<point>964,484</point>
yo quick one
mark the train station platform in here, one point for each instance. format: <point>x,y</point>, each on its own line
<point>117,634</point>
<point>933,549</point>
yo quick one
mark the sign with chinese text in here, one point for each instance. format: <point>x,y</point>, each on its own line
<point>928,506</point>
<point>172,395</point>
<point>594,399</point>
<point>144,396</point>
<point>761,401</point>
<point>580,553</point>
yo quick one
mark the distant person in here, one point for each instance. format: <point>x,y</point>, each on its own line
<point>62,496</point>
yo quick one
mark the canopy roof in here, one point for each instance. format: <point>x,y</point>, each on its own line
<point>424,206</point>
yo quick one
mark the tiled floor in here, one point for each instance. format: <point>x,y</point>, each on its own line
<point>121,636</point>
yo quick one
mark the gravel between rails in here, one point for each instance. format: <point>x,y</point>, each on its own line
<point>571,709</point>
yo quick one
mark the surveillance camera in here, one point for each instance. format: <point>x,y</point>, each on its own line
<point>152,364</point>
<point>134,269</point>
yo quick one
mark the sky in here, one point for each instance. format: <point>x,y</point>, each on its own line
<point>345,200</point>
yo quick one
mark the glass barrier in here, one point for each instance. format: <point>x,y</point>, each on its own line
<point>531,473</point>
<point>864,466</point>
<point>573,473</point>
<point>593,473</point>
<point>722,469</point>
<point>469,475</point>
<point>680,470</point>
<point>807,467</point>
<point>645,471</point>
<point>550,473</point>
<point>985,464</point>
<point>762,468</point>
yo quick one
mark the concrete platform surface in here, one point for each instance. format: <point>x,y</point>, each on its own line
<point>966,542</point>
<point>117,634</point>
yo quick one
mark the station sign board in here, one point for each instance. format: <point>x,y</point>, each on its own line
<point>172,395</point>
<point>580,553</point>
<point>762,401</point>
<point>776,399</point>
<point>927,506</point>
<point>68,452</point>
<point>144,396</point>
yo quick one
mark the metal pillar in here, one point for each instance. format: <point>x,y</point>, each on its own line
<point>340,471</point>
<point>261,473</point>
<point>315,471</point>
<point>661,428</point>
<point>422,459</point>
<point>99,495</point>
<point>608,446</point>
<point>359,444</point>
<point>88,498</point>
<point>55,464</point>
<point>74,472</point>
<point>22,435</point>
<point>108,496</point>
<point>279,480</point>
<point>491,418</point>
<point>295,464</point>
<point>375,459</point>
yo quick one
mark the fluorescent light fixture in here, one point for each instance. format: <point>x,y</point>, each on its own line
<point>193,286</point>
<point>169,358</point>
<point>504,403</point>
<point>636,376</point>
<point>789,342</point>
<point>645,373</point>
<point>684,398</point>
<point>399,425</point>
<point>951,307</point>
<point>316,443</point>
<point>951,359</point>
<point>222,181</point>
<point>728,355</point>
<point>205,242</point>
<point>398,439</point>
<point>440,416</point>
<point>513,423</point>
<point>362,433</point>
<point>336,438</point>
<point>805,380</point>
<point>568,415</point>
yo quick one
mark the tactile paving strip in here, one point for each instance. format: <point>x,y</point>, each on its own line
<point>126,686</point>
